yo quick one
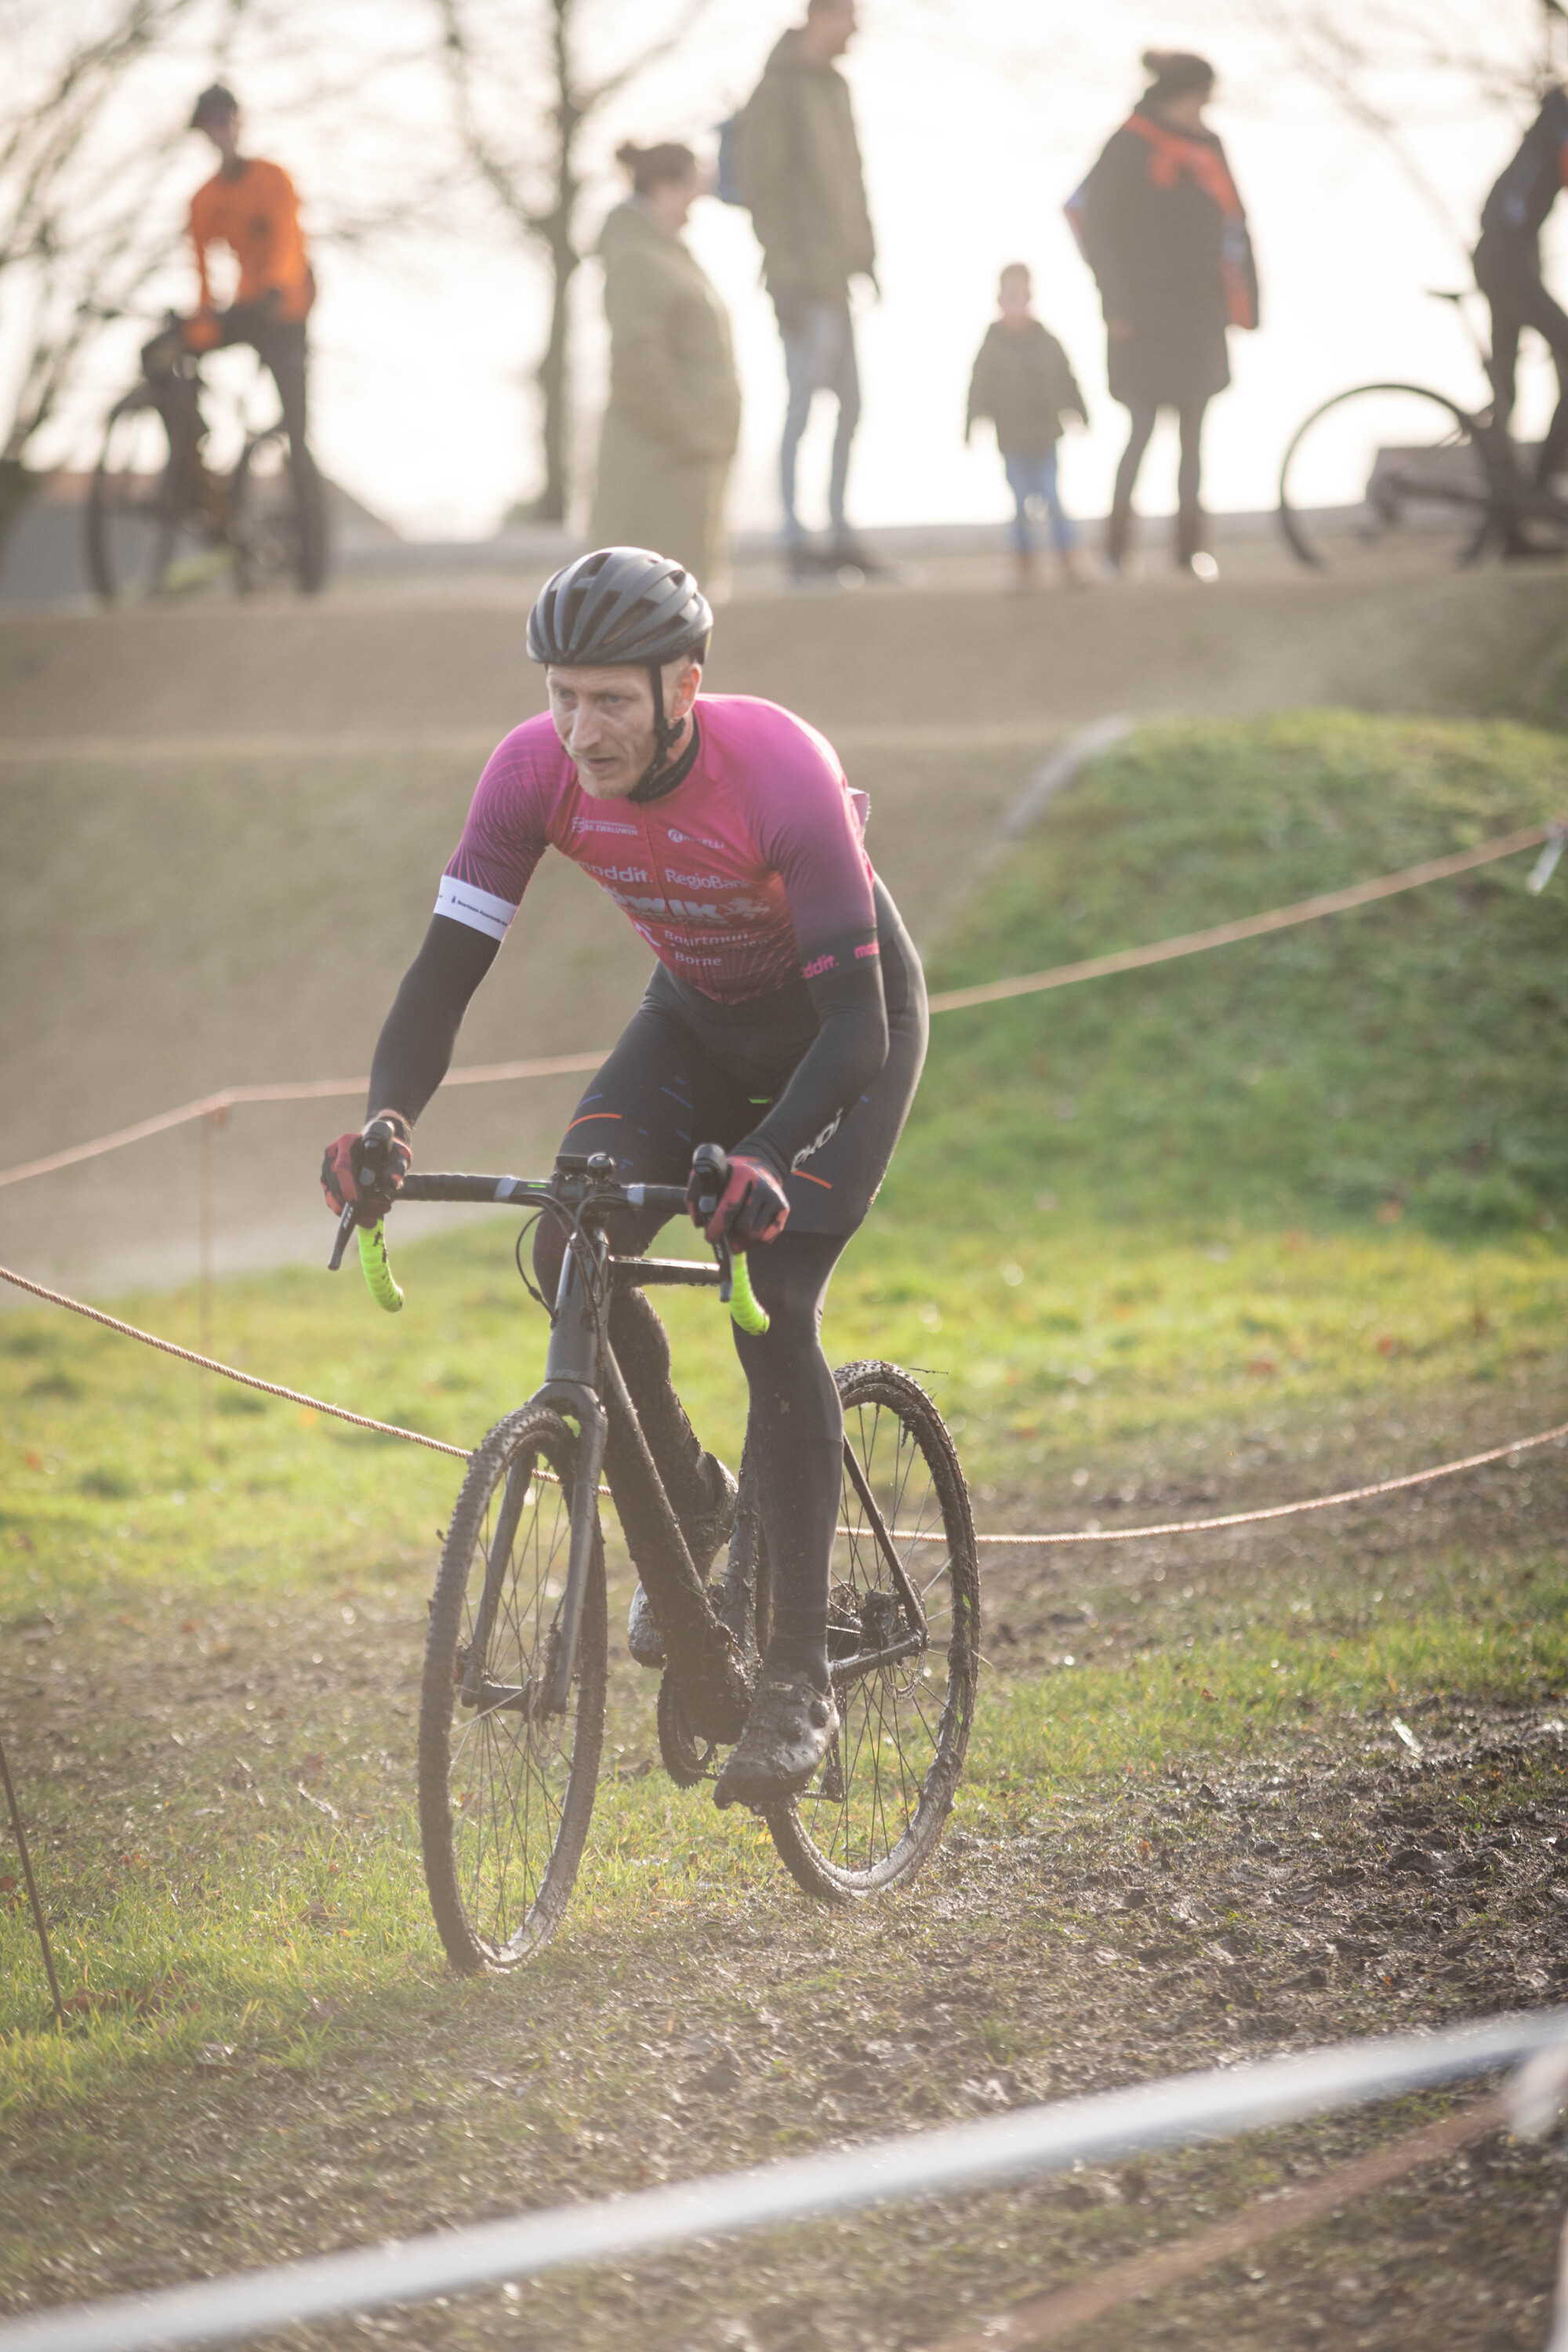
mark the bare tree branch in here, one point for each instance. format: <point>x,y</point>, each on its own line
<point>538,178</point>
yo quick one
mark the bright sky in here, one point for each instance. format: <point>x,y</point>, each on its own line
<point>975,129</point>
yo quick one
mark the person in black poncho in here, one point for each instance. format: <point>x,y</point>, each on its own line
<point>1160,224</point>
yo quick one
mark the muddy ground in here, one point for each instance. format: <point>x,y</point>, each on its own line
<point>1314,1882</point>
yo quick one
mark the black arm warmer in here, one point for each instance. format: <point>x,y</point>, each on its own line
<point>414,1048</point>
<point>833,1071</point>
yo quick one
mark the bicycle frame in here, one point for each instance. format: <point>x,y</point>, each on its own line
<point>583,1380</point>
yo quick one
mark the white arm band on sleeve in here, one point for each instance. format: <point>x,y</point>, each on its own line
<point>460,902</point>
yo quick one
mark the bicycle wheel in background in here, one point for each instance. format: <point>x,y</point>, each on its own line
<point>873,1815</point>
<point>264,516</point>
<point>1388,474</point>
<point>506,1791</point>
<point>130,518</point>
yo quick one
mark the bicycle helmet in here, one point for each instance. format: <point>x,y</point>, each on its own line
<point>618,604</point>
<point>623,605</point>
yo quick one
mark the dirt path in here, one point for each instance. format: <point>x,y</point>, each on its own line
<point>1074,1935</point>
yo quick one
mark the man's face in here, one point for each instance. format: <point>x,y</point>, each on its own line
<point>223,130</point>
<point>835,26</point>
<point>604,720</point>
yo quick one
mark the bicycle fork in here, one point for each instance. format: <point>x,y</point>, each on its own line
<point>579,1364</point>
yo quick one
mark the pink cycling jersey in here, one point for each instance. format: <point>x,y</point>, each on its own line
<point>750,874</point>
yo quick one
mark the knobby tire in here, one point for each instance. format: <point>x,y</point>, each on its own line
<point>873,1816</point>
<point>505,1802</point>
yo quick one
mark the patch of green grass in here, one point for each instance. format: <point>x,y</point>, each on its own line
<point>1394,1058</point>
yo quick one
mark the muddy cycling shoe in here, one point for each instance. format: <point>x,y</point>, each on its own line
<point>789,1730</point>
<point>705,1533</point>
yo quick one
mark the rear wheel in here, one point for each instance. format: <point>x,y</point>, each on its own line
<point>276,519</point>
<point>131,521</point>
<point>1389,475</point>
<point>875,1812</point>
<point>506,1789</point>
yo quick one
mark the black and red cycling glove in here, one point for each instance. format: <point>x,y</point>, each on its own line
<point>748,1205</point>
<point>368,1167</point>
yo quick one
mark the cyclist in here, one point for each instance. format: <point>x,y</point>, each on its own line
<point>1508,270</point>
<point>250,206</point>
<point>786,1020</point>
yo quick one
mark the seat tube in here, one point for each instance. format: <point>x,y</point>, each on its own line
<point>571,1379</point>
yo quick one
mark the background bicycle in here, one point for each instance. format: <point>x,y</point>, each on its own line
<point>186,484</point>
<point>1386,472</point>
<point>515,1696</point>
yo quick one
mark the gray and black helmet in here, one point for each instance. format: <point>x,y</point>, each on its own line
<point>619,604</point>
<point>625,606</point>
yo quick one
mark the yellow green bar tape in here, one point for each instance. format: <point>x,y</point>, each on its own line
<point>378,1272</point>
<point>743,1303</point>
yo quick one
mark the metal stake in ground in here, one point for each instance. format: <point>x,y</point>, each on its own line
<point>38,1921</point>
<point>210,1121</point>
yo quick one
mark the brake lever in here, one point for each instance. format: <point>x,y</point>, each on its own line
<point>345,1227</point>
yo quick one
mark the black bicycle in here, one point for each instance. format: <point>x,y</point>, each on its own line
<point>513,1705</point>
<point>1386,470</point>
<point>159,514</point>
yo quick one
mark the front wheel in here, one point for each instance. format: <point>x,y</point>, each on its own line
<point>506,1787</point>
<point>132,504</point>
<point>874,1814</point>
<point>1389,475</point>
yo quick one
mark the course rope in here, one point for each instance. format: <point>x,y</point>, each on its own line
<point>904,1535</point>
<point>1273,1511</point>
<point>230,1371</point>
<point>1250,926</point>
<point>953,1000</point>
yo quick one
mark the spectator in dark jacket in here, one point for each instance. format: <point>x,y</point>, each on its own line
<point>798,167</point>
<point>1023,382</point>
<point>1162,226</point>
<point>1508,270</point>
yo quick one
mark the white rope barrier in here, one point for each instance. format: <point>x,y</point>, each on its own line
<point>1104,2127</point>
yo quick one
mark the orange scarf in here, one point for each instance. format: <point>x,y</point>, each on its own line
<point>1171,154</point>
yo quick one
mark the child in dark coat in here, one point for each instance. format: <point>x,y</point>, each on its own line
<point>1023,382</point>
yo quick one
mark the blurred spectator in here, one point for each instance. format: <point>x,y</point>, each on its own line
<point>1508,270</point>
<point>798,169</point>
<point>1023,382</point>
<point>1162,226</point>
<point>250,206</point>
<point>674,416</point>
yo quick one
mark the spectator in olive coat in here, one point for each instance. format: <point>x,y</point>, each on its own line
<point>674,416</point>
<point>1162,227</point>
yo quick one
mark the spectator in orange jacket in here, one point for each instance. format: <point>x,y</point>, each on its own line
<point>250,206</point>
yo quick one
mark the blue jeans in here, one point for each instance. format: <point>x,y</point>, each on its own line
<point>819,356</point>
<point>1036,477</point>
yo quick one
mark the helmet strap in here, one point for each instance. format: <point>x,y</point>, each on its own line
<point>649,784</point>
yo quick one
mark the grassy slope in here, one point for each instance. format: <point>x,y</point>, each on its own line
<point>1213,1267</point>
